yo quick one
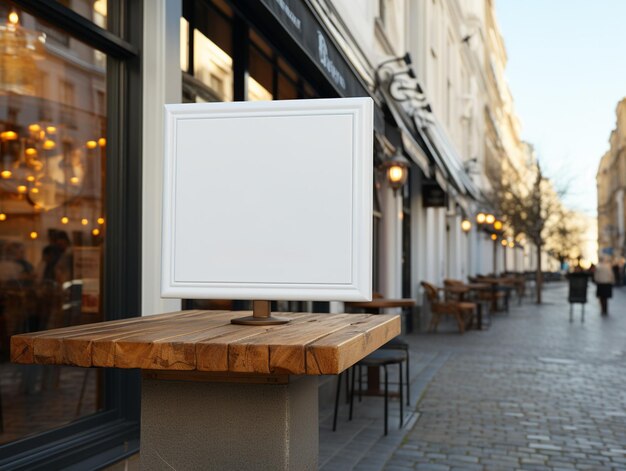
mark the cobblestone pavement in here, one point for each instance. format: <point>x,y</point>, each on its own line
<point>533,392</point>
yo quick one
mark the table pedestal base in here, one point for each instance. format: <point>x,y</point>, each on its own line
<point>215,425</point>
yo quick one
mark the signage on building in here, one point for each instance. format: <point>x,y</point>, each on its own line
<point>301,24</point>
<point>433,195</point>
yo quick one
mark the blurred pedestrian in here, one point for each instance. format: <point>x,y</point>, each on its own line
<point>604,279</point>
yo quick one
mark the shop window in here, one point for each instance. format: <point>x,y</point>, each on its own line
<point>260,77</point>
<point>52,219</point>
<point>213,67</point>
<point>184,45</point>
<point>95,11</point>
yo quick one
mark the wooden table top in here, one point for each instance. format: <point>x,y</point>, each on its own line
<point>381,303</point>
<point>310,344</point>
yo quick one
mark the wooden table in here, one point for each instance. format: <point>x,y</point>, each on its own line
<point>495,283</point>
<point>462,289</point>
<point>381,303</point>
<point>217,395</point>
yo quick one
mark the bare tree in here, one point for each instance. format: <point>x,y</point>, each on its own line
<point>529,210</point>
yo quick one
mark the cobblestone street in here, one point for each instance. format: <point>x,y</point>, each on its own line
<point>533,392</point>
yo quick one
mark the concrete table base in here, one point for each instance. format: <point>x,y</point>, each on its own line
<point>213,425</point>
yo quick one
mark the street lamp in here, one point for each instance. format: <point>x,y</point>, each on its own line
<point>480,218</point>
<point>466,225</point>
<point>396,171</point>
<point>490,218</point>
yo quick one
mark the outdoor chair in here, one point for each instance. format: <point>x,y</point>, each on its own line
<point>458,309</point>
<point>493,295</point>
<point>379,358</point>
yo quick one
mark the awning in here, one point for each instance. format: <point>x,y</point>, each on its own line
<point>409,143</point>
<point>450,158</point>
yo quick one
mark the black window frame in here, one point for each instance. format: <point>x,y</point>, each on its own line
<point>108,436</point>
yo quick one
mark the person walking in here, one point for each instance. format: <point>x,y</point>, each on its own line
<point>604,279</point>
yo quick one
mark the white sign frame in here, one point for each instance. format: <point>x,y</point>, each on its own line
<point>329,259</point>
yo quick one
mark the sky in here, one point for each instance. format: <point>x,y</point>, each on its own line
<point>567,72</point>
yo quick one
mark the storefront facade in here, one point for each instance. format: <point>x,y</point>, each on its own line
<point>70,235</point>
<point>81,95</point>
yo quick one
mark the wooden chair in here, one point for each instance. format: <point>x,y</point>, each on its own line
<point>493,295</point>
<point>458,309</point>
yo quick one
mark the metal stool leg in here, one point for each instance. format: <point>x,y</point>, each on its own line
<point>386,397</point>
<point>337,401</point>
<point>352,392</point>
<point>408,380</point>
<point>348,385</point>
<point>401,395</point>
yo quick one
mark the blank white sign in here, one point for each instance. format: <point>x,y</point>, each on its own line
<point>268,200</point>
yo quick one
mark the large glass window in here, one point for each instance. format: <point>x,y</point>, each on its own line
<point>223,57</point>
<point>53,141</point>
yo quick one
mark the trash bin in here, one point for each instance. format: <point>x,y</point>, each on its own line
<point>578,282</point>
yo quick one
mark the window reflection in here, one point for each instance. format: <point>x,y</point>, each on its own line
<point>93,10</point>
<point>52,160</point>
<point>213,67</point>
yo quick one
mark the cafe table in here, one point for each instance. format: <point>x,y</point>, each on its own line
<point>461,289</point>
<point>216,395</point>
<point>496,283</point>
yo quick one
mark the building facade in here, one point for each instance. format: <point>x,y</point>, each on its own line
<point>611,184</point>
<point>82,89</point>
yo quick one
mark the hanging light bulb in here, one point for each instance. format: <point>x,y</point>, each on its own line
<point>14,18</point>
<point>34,235</point>
<point>91,144</point>
<point>96,232</point>
<point>84,221</point>
<point>3,217</point>
<point>100,220</point>
<point>102,142</point>
<point>6,174</point>
<point>65,220</point>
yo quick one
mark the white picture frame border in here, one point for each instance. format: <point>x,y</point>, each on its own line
<point>360,287</point>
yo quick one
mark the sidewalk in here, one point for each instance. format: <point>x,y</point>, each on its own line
<point>533,392</point>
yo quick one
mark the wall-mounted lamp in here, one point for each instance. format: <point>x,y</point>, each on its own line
<point>406,58</point>
<point>466,225</point>
<point>396,170</point>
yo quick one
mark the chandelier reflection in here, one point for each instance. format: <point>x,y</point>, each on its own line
<point>43,165</point>
<point>48,153</point>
